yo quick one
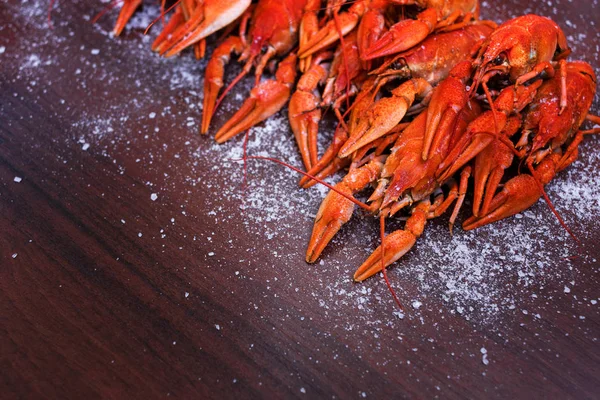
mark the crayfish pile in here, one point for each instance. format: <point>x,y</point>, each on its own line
<point>426,97</point>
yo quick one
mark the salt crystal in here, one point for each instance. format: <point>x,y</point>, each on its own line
<point>152,115</point>
<point>153,196</point>
<point>416,304</point>
<point>17,179</point>
<point>95,51</point>
<point>186,294</point>
<point>140,234</point>
<point>14,255</point>
<point>567,290</point>
<point>302,390</point>
<point>218,327</point>
<point>210,254</point>
<point>85,146</point>
<point>2,49</point>
<point>484,358</point>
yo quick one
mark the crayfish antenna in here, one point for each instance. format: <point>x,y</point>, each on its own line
<point>106,9</point>
<point>322,182</point>
<point>488,95</point>
<point>169,27</point>
<point>360,204</point>
<point>236,80</point>
<point>383,269</point>
<point>549,203</point>
<point>49,16</point>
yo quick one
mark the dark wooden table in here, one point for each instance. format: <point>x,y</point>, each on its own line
<point>201,291</point>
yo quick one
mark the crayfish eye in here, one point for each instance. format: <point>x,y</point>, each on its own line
<point>498,60</point>
<point>396,65</point>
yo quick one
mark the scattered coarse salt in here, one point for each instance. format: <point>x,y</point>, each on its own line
<point>567,289</point>
<point>186,295</point>
<point>17,179</point>
<point>95,51</point>
<point>416,304</point>
<point>218,327</point>
<point>302,390</point>
<point>152,115</point>
<point>85,146</point>
<point>153,196</point>
<point>140,234</point>
<point>2,49</point>
<point>14,255</point>
<point>212,253</point>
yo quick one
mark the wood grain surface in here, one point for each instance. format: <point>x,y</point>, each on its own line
<point>106,292</point>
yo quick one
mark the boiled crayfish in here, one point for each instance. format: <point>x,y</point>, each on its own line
<point>534,117</point>
<point>425,94</point>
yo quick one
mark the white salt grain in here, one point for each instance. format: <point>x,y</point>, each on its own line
<point>484,358</point>
<point>14,255</point>
<point>218,327</point>
<point>17,179</point>
<point>85,146</point>
<point>567,290</point>
<point>2,49</point>
<point>95,51</point>
<point>153,196</point>
<point>152,115</point>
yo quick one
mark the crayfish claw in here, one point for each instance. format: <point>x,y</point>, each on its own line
<point>334,212</point>
<point>396,245</point>
<point>330,33</point>
<point>518,194</point>
<point>129,7</point>
<point>265,100</point>
<point>403,35</point>
<point>337,207</point>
